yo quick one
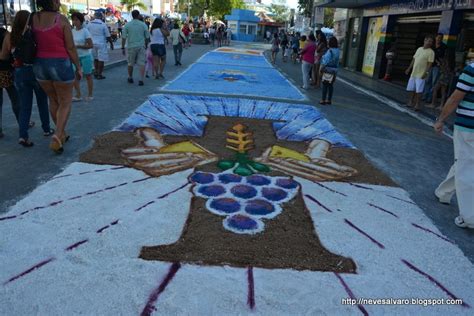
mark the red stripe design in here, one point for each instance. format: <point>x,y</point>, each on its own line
<point>350,293</point>
<point>317,202</point>
<point>251,288</point>
<point>433,280</point>
<point>383,210</point>
<point>348,222</point>
<point>150,305</point>
<point>36,266</point>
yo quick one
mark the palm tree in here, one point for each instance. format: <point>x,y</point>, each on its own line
<point>131,4</point>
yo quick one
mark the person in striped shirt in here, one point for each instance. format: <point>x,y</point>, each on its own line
<point>460,178</point>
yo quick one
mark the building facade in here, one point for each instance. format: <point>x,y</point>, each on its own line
<point>369,29</point>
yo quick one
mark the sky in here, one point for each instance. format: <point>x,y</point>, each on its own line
<point>290,3</point>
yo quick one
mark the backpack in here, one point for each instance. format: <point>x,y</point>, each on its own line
<point>25,51</point>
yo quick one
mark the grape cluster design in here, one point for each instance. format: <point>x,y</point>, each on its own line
<point>244,200</point>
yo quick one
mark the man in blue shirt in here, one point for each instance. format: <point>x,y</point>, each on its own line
<point>461,175</point>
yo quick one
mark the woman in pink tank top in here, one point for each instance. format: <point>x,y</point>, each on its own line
<point>56,53</point>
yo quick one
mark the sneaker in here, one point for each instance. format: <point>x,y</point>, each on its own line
<point>442,200</point>
<point>48,133</point>
<point>130,80</point>
<point>459,221</point>
<point>179,63</point>
<point>76,99</point>
<point>140,83</point>
<point>89,99</point>
<point>161,76</point>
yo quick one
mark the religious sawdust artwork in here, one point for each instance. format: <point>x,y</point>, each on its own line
<point>244,51</point>
<point>246,191</point>
<point>235,59</point>
<point>211,205</point>
<point>234,72</point>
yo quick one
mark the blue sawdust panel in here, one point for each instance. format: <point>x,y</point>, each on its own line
<point>187,115</point>
<point>235,80</point>
<point>235,59</point>
<point>305,119</point>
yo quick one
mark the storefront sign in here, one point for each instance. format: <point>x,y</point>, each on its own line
<point>373,37</point>
<point>463,4</point>
<point>318,16</point>
<point>417,6</point>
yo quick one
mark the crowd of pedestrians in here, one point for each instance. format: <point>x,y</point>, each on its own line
<point>65,52</point>
<point>431,72</point>
<point>319,58</point>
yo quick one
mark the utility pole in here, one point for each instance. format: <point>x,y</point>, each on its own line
<point>189,10</point>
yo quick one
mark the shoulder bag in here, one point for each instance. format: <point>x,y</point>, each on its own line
<point>26,48</point>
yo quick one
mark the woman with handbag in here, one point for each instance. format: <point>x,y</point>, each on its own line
<point>25,81</point>
<point>6,82</point>
<point>329,65</point>
<point>55,55</point>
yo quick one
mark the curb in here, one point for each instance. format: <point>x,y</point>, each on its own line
<point>423,114</point>
<point>115,64</point>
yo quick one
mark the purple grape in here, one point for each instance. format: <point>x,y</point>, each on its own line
<point>229,177</point>
<point>258,180</point>
<point>241,222</point>
<point>202,177</point>
<point>287,183</point>
<point>259,207</point>
<point>226,205</point>
<point>274,194</point>
<point>243,191</point>
<point>211,190</point>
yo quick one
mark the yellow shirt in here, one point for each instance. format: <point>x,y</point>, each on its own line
<point>422,58</point>
<point>302,43</point>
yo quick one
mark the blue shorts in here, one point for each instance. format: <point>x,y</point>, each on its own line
<point>86,64</point>
<point>53,69</point>
<point>158,50</point>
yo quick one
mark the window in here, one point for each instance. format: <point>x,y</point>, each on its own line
<point>251,29</point>
<point>233,27</point>
<point>243,28</point>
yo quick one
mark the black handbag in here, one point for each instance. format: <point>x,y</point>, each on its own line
<point>26,48</point>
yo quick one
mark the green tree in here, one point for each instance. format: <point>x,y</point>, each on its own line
<point>216,8</point>
<point>132,4</point>
<point>329,17</point>
<point>281,13</point>
<point>306,7</point>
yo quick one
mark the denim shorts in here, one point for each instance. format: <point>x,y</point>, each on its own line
<point>53,69</point>
<point>158,50</point>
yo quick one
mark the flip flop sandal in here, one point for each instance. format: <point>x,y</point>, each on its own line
<point>459,221</point>
<point>25,142</point>
<point>56,145</point>
<point>66,139</point>
<point>49,133</point>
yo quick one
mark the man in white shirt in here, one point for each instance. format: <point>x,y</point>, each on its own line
<point>100,36</point>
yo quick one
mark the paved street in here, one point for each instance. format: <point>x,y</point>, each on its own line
<point>403,147</point>
<point>148,200</point>
<point>114,100</point>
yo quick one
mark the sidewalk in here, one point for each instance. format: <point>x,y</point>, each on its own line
<point>390,90</point>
